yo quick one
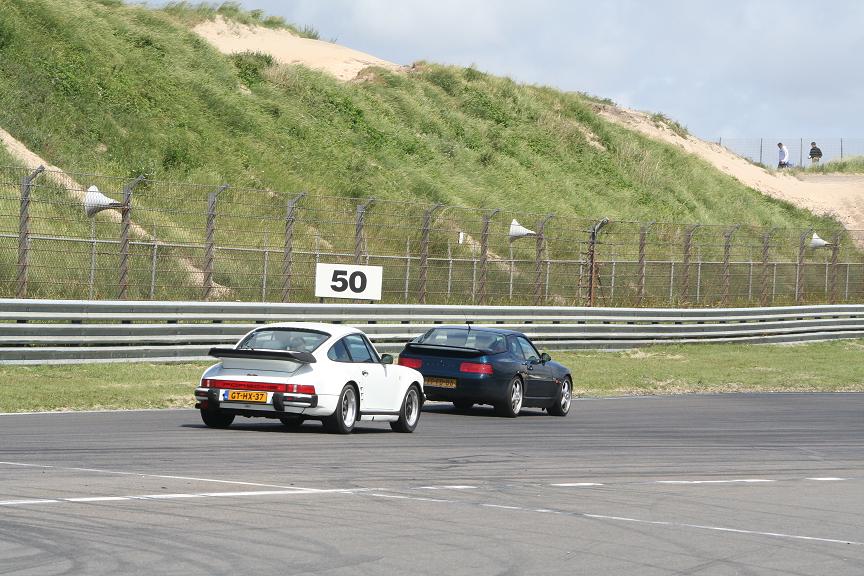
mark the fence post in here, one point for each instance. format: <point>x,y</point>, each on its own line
<point>473,275</point>
<point>841,148</point>
<point>750,281</point>
<point>510,283</point>
<point>358,230</point>
<point>288,249</point>
<point>832,282</point>
<point>92,258</point>
<point>643,237</point>
<point>407,266</point>
<point>125,224</point>
<point>209,241</point>
<point>484,253</point>
<point>801,152</point>
<point>799,268</point>
<point>760,150</point>
<point>24,233</point>
<point>449,270</point>
<point>153,260</point>
<point>727,252</point>
<point>684,295</point>
<point>424,249</point>
<point>265,267</point>
<point>766,248</point>
<point>592,260</point>
<point>774,284</point>
<point>539,257</point>
<point>671,279</point>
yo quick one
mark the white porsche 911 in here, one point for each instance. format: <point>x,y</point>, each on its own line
<point>300,371</point>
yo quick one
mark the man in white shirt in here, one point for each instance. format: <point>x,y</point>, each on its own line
<point>784,156</point>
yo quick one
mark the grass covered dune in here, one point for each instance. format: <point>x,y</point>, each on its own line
<point>708,368</point>
<point>125,89</point>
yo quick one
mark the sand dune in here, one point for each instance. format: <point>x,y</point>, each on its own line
<point>837,195</point>
<point>287,48</point>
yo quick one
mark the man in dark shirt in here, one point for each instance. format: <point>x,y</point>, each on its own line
<point>815,154</point>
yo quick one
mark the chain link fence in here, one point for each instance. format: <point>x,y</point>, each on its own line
<point>173,241</point>
<point>764,150</point>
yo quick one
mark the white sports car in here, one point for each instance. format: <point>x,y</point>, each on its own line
<point>299,371</point>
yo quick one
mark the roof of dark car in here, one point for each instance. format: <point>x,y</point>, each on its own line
<point>472,328</point>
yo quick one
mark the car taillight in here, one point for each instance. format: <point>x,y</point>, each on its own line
<point>300,388</point>
<point>475,368</point>
<point>262,386</point>
<point>415,363</point>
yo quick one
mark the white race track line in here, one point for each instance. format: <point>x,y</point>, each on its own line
<point>162,476</point>
<point>93,499</point>
<point>741,481</point>
<point>301,491</point>
<point>623,519</point>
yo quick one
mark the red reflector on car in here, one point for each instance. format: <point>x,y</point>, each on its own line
<point>475,368</point>
<point>415,363</point>
<point>300,388</point>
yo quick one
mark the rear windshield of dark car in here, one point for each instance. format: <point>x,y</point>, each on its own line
<point>463,338</point>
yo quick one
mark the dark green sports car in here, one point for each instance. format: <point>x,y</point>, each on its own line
<point>467,365</point>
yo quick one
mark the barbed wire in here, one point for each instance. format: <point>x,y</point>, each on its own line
<point>184,241</point>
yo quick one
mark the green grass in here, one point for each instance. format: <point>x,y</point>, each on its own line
<point>663,120</point>
<point>165,103</point>
<point>817,367</point>
<point>192,13</point>
<point>710,368</point>
<point>853,165</point>
<point>127,90</point>
<point>98,386</point>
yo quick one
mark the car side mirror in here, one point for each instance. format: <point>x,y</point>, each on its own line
<point>544,357</point>
<point>386,359</point>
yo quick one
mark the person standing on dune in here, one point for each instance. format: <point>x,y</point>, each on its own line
<point>784,156</point>
<point>815,154</point>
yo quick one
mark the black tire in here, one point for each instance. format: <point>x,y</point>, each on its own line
<point>564,400</point>
<point>216,418</point>
<point>345,416</point>
<point>409,414</point>
<point>292,421</point>
<point>515,394</point>
<point>462,405</point>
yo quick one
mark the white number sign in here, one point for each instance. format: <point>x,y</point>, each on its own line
<point>348,281</point>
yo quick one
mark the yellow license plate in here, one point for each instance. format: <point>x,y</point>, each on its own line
<point>246,396</point>
<point>440,382</point>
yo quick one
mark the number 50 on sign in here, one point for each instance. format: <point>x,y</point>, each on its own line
<point>347,281</point>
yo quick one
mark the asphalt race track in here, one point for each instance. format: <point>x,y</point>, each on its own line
<point>707,485</point>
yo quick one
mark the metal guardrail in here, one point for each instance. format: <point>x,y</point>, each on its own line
<point>66,331</point>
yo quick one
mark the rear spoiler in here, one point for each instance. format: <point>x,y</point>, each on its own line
<point>302,357</point>
<point>439,350</point>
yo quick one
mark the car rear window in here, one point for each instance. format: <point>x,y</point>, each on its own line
<point>462,338</point>
<point>284,339</point>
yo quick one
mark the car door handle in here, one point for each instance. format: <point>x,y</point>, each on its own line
<point>365,373</point>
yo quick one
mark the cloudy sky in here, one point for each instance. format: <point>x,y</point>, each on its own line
<point>730,68</point>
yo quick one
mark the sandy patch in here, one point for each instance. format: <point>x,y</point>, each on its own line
<point>287,48</point>
<point>837,195</point>
<point>75,190</point>
<point>640,354</point>
<point>591,138</point>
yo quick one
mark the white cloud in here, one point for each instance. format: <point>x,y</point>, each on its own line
<point>735,67</point>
